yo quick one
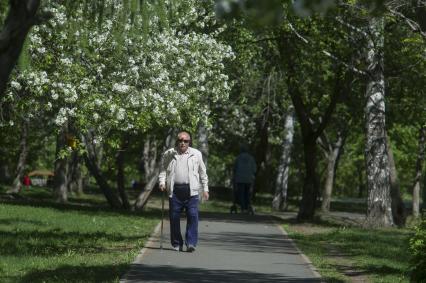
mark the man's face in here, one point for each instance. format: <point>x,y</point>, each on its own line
<point>183,142</point>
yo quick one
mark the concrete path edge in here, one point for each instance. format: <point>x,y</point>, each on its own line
<point>305,258</point>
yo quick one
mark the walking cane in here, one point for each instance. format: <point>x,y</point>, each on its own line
<point>162,220</point>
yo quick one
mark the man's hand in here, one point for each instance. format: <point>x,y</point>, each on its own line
<point>206,195</point>
<point>162,187</point>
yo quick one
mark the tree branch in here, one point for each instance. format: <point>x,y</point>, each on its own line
<point>328,54</point>
<point>413,25</point>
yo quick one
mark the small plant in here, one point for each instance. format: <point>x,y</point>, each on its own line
<point>418,251</point>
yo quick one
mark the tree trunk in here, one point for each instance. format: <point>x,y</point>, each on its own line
<point>332,157</point>
<point>261,179</point>
<point>75,183</point>
<point>280,198</point>
<point>379,211</point>
<point>309,134</point>
<point>310,185</point>
<point>92,164</point>
<point>143,197</point>
<point>150,156</point>
<point>60,179</point>
<point>203,141</point>
<point>398,207</point>
<point>20,168</point>
<point>361,185</point>
<point>154,170</point>
<point>119,158</point>
<point>21,17</point>
<point>419,168</point>
<point>5,174</point>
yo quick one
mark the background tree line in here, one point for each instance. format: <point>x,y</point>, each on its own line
<point>330,104</point>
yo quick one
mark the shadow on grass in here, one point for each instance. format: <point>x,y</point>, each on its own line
<point>70,273</point>
<point>381,269</point>
<point>57,242</point>
<point>81,206</point>
<point>14,221</point>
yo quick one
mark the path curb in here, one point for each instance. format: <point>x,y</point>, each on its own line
<point>305,258</point>
<point>143,251</point>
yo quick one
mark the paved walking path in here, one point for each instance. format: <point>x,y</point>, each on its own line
<point>231,248</point>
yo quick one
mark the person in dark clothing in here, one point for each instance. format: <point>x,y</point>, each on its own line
<point>244,173</point>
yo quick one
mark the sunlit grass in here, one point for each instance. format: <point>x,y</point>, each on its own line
<point>380,255</point>
<point>49,243</point>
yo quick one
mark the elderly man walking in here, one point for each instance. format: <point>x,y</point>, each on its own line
<point>183,174</point>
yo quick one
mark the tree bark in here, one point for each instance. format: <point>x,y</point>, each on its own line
<point>379,211</point>
<point>150,156</point>
<point>60,179</point>
<point>20,168</point>
<point>311,184</point>
<point>92,164</point>
<point>21,17</point>
<point>261,178</point>
<point>419,168</point>
<point>361,184</point>
<point>120,174</point>
<point>203,141</point>
<point>398,207</point>
<point>146,193</point>
<point>75,183</point>
<point>280,198</point>
<point>332,155</point>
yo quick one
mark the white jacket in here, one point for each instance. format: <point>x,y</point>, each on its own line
<point>198,179</point>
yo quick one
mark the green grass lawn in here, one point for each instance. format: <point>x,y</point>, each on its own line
<point>380,255</point>
<point>48,242</point>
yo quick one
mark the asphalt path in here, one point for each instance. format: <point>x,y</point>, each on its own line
<point>231,248</point>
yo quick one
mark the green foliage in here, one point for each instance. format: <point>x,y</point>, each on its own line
<point>418,253</point>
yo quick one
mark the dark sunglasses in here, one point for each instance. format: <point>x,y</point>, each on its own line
<point>185,141</point>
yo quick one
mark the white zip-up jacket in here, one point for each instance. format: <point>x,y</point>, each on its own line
<point>198,179</point>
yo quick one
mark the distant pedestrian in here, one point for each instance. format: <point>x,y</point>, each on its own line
<point>26,181</point>
<point>183,174</point>
<point>244,174</point>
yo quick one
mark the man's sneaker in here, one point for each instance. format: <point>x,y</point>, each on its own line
<point>190,249</point>
<point>178,248</point>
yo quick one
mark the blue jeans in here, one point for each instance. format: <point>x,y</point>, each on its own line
<point>243,193</point>
<point>180,200</point>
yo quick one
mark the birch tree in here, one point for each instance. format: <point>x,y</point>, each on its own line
<point>379,211</point>
<point>279,201</point>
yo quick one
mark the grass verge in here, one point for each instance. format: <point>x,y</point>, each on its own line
<point>48,242</point>
<point>341,253</point>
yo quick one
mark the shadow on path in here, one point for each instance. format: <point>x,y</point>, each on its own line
<point>166,273</point>
<point>249,242</point>
<point>236,218</point>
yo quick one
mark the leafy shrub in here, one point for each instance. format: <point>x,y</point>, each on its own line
<point>418,251</point>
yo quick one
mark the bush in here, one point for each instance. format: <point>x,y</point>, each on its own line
<point>418,251</point>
